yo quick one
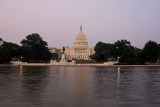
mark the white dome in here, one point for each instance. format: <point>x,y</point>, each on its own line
<point>81,40</point>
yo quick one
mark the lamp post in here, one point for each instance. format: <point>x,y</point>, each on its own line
<point>118,58</point>
<point>118,53</point>
<point>21,58</point>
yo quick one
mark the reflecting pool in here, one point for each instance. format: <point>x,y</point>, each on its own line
<point>60,86</point>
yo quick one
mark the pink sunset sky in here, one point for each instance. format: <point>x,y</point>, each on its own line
<point>58,21</point>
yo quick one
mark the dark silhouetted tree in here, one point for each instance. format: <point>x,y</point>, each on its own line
<point>10,50</point>
<point>151,51</point>
<point>38,46</point>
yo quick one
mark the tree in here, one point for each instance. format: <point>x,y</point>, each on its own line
<point>27,53</point>
<point>102,52</point>
<point>1,41</point>
<point>1,52</point>
<point>151,51</point>
<point>159,54</point>
<point>38,46</point>
<point>123,50</point>
<point>10,50</point>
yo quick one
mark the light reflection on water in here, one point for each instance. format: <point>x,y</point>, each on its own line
<point>79,86</point>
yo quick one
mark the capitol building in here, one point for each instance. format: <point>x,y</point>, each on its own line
<point>79,51</point>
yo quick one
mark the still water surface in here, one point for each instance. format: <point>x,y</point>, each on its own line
<point>55,86</point>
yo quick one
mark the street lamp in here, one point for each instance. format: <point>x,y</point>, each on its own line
<point>21,58</point>
<point>118,58</point>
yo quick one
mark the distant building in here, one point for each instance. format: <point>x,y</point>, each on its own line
<point>79,51</point>
<point>55,50</point>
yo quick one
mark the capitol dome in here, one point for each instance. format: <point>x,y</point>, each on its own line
<point>81,40</point>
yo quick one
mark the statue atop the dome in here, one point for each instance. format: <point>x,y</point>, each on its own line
<point>81,28</point>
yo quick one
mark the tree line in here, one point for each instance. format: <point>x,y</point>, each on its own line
<point>125,53</point>
<point>33,49</point>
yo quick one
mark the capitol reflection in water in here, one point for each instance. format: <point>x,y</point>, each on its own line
<point>62,86</point>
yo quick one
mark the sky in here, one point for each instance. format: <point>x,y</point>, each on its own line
<point>58,21</point>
